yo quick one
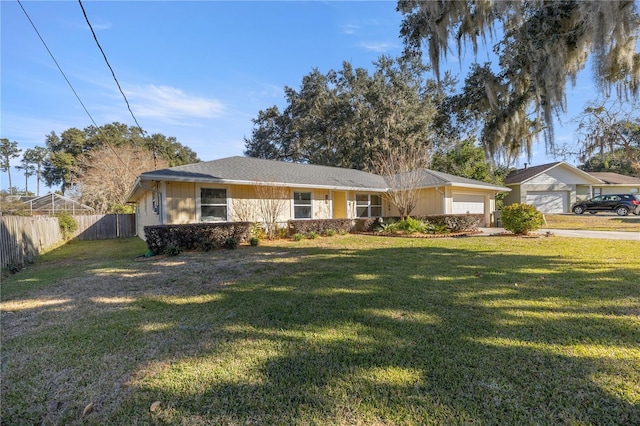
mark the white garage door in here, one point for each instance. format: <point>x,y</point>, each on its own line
<point>465,203</point>
<point>548,202</point>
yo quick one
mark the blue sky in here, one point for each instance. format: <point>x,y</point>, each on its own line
<point>198,71</point>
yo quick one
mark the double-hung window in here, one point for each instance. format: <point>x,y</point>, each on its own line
<point>368,205</point>
<point>302,205</point>
<point>213,204</point>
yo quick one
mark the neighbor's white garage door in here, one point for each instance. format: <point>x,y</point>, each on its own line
<point>549,202</point>
<point>465,203</point>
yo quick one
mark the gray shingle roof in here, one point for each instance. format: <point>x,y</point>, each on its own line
<point>521,175</point>
<point>615,178</point>
<point>433,178</point>
<point>248,169</point>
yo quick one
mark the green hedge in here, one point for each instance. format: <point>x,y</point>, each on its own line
<point>195,235</point>
<point>319,226</point>
<point>453,222</point>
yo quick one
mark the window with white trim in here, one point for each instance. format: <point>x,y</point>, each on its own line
<point>213,205</point>
<point>368,205</point>
<point>302,205</point>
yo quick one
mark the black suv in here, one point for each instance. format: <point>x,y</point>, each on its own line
<point>619,203</point>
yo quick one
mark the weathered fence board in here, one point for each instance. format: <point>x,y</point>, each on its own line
<point>22,238</point>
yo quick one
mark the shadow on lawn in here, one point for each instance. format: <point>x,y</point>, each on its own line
<point>387,335</point>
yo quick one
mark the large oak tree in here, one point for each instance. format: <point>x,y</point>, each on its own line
<point>540,47</point>
<point>342,118</point>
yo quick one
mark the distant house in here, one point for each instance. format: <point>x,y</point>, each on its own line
<point>615,183</point>
<point>555,187</point>
<point>215,190</point>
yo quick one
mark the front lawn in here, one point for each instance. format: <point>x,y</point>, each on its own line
<point>593,222</point>
<point>341,330</point>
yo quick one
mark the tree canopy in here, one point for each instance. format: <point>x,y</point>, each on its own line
<point>541,47</point>
<point>342,118</point>
<point>609,137</point>
<point>66,149</point>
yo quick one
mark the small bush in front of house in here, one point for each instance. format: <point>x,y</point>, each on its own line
<point>411,225</point>
<point>297,237</point>
<point>282,232</point>
<point>257,231</point>
<point>521,218</point>
<point>437,229</point>
<point>68,225</point>
<point>312,235</point>
<point>230,243</point>
<point>172,250</point>
<point>206,245</point>
<point>330,232</point>
<point>254,241</point>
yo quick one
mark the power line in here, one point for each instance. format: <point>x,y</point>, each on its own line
<point>57,65</point>
<point>70,85</point>
<point>108,65</point>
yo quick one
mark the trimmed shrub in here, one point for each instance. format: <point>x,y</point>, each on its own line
<point>368,224</point>
<point>319,226</point>
<point>254,241</point>
<point>521,218</point>
<point>193,236</point>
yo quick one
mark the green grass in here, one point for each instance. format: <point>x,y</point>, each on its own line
<point>595,222</point>
<point>341,330</point>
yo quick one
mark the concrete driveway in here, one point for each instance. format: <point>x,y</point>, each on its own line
<point>606,235</point>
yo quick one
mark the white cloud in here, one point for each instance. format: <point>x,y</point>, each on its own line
<point>378,46</point>
<point>350,29</point>
<point>170,103</point>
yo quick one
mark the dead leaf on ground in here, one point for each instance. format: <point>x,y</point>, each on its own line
<point>155,406</point>
<point>88,409</point>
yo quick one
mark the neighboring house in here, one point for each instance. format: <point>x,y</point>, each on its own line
<point>615,183</point>
<point>555,187</point>
<point>221,190</point>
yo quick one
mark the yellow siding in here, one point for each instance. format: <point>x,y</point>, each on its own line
<point>430,201</point>
<point>181,204</point>
<point>245,204</point>
<point>321,204</point>
<point>145,216</point>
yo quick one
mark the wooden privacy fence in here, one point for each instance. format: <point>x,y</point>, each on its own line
<point>22,238</point>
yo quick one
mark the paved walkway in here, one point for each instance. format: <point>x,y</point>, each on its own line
<point>607,235</point>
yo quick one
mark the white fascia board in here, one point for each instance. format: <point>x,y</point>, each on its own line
<point>480,186</point>
<point>150,177</point>
<point>468,185</point>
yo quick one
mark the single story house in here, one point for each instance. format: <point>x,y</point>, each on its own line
<point>226,190</point>
<point>555,187</point>
<point>615,183</point>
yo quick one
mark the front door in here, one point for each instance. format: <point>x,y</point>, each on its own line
<point>339,199</point>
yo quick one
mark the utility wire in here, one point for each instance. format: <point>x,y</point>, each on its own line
<point>69,83</point>
<point>154,151</point>
<point>57,65</point>
<point>108,65</point>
